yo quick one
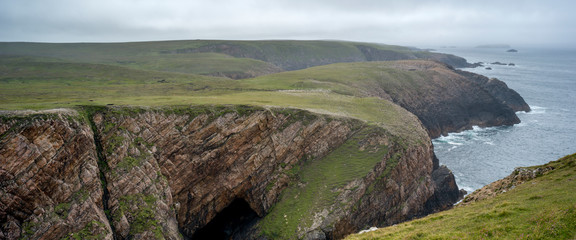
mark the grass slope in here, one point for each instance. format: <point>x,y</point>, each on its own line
<point>108,52</point>
<point>32,83</point>
<point>206,57</point>
<point>338,89</point>
<point>317,185</point>
<point>543,208</point>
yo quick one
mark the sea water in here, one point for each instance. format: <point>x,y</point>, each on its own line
<point>546,79</point>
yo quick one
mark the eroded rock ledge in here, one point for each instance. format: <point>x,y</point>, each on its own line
<point>169,173</point>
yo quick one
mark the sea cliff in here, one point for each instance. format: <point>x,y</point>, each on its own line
<point>315,153</point>
<point>113,172</point>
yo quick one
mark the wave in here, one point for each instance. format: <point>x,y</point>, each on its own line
<point>475,135</point>
<point>534,110</point>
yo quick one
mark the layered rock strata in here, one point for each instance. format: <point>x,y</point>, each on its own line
<point>168,173</point>
<point>49,179</point>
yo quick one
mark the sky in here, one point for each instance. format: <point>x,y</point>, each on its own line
<point>401,22</point>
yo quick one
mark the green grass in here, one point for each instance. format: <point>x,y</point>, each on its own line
<point>199,63</point>
<point>178,56</point>
<point>543,208</point>
<point>140,209</point>
<point>110,52</point>
<point>338,89</point>
<point>318,184</point>
<point>88,232</point>
<point>350,79</point>
<point>41,85</point>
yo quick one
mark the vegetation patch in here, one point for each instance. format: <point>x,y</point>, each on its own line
<point>140,210</point>
<point>81,195</point>
<point>114,142</point>
<point>139,141</point>
<point>129,162</point>
<point>92,231</point>
<point>62,210</point>
<point>318,183</point>
<point>27,230</point>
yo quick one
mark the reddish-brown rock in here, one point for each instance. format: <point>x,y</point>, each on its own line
<point>49,179</point>
<point>171,173</point>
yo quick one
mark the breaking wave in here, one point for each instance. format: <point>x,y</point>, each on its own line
<point>473,136</point>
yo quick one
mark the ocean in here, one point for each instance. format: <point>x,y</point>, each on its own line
<point>546,79</point>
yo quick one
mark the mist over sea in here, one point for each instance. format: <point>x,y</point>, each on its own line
<point>546,79</point>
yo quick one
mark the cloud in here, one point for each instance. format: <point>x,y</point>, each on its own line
<point>408,22</point>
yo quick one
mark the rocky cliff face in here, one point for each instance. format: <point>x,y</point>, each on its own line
<point>374,54</point>
<point>519,176</point>
<point>189,172</point>
<point>499,90</point>
<point>448,100</point>
<point>49,179</point>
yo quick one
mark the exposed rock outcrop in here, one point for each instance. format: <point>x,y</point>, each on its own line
<point>374,54</point>
<point>448,100</point>
<point>209,162</point>
<point>499,90</point>
<point>519,176</point>
<point>170,172</point>
<point>49,179</point>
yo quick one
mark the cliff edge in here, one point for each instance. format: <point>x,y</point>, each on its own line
<point>176,172</point>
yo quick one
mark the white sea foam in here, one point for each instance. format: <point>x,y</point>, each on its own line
<point>476,135</point>
<point>535,110</point>
<point>455,143</point>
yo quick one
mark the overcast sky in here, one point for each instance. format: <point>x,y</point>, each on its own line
<point>423,23</point>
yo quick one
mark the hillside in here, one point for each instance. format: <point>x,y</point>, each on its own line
<point>234,59</point>
<point>427,89</point>
<point>532,203</point>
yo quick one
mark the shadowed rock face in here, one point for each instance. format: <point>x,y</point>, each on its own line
<point>170,173</point>
<point>448,100</point>
<point>499,90</point>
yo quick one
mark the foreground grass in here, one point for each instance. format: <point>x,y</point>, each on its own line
<point>543,208</point>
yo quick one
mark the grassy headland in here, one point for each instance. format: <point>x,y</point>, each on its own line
<point>542,208</point>
<point>338,89</point>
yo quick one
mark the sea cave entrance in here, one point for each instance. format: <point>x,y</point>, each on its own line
<point>229,222</point>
